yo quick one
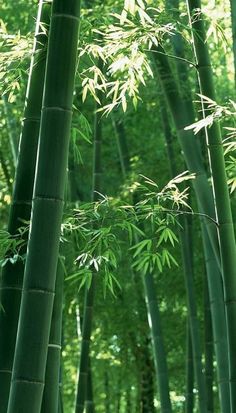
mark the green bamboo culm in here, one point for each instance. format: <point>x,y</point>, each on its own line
<point>90,292</point>
<point>12,274</point>
<point>89,405</point>
<point>233,19</point>
<point>158,345</point>
<point>187,258</point>
<point>151,304</point>
<point>52,376</point>
<point>189,395</point>
<point>209,368</point>
<point>39,281</point>
<point>221,193</point>
<point>11,129</point>
<point>186,239</point>
<point>193,158</point>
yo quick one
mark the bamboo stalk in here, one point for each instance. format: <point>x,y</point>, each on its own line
<point>90,292</point>
<point>209,369</point>
<point>189,395</point>
<point>51,400</point>
<point>221,193</point>
<point>233,20</point>
<point>12,274</point>
<point>39,281</point>
<point>205,204</point>
<point>158,345</point>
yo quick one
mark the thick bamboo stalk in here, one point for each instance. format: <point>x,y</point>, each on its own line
<point>12,274</point>
<point>188,143</point>
<point>205,204</point>
<point>221,193</point>
<point>89,405</point>
<point>185,236</point>
<point>39,281</point>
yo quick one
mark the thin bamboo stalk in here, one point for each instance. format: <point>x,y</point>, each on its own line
<point>39,281</point>
<point>189,395</point>
<point>233,19</point>
<point>50,400</point>
<point>5,171</point>
<point>12,274</point>
<point>187,257</point>
<point>221,194</point>
<point>209,369</point>
<point>11,130</point>
<point>154,320</point>
<point>158,345</point>
<point>90,292</point>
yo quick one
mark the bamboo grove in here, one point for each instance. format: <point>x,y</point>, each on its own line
<point>117,197</point>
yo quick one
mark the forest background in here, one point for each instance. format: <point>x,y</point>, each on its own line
<point>139,256</point>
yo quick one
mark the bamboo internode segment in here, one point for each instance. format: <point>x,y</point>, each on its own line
<point>12,275</point>
<point>221,194</point>
<point>47,208</point>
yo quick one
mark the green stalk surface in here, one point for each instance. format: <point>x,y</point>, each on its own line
<point>189,395</point>
<point>204,196</point>
<point>209,369</point>
<point>153,311</point>
<point>12,274</point>
<point>51,400</point>
<point>90,292</point>
<point>39,281</point>
<point>233,20</point>
<point>221,194</point>
<point>158,345</point>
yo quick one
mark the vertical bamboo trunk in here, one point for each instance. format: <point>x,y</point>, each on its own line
<point>218,323</point>
<point>89,394</point>
<point>188,143</point>
<point>209,369</point>
<point>205,204</point>
<point>11,130</point>
<point>39,281</point>
<point>158,345</point>
<point>5,171</point>
<point>50,400</point>
<point>221,194</point>
<point>107,392</point>
<point>89,293</point>
<point>186,241</point>
<point>233,19</point>
<point>12,274</point>
<point>122,146</point>
<point>154,321</point>
<point>189,395</point>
